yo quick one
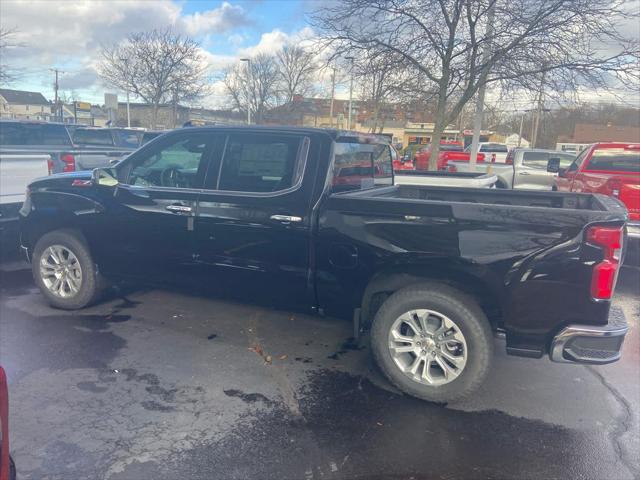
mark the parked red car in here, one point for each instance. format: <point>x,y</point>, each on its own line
<point>448,151</point>
<point>7,468</point>
<point>609,168</point>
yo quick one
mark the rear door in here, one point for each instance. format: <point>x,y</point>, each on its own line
<point>253,227</point>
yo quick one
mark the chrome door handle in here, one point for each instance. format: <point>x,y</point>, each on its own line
<point>525,173</point>
<point>179,208</point>
<point>286,218</point>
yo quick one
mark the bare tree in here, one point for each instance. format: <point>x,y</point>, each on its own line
<point>254,86</point>
<point>7,41</point>
<point>296,67</point>
<point>444,41</point>
<point>157,66</point>
<point>382,79</point>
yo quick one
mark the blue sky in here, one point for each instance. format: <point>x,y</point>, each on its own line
<point>67,34</point>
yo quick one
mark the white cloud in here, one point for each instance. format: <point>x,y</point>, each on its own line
<point>57,32</point>
<point>219,19</point>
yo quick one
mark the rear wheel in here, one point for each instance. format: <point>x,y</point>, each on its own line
<point>432,342</point>
<point>64,270</point>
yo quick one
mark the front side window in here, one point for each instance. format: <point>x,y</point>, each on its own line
<point>535,160</point>
<point>178,164</point>
<point>262,163</point>
<point>579,160</point>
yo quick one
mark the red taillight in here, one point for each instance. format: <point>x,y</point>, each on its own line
<point>509,159</point>
<point>605,273</point>
<point>69,162</point>
<point>613,186</point>
<point>452,168</point>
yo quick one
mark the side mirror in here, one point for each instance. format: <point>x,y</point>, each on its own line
<point>553,165</point>
<point>105,177</point>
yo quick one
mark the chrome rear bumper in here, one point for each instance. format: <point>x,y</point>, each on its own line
<point>590,344</point>
<point>633,229</point>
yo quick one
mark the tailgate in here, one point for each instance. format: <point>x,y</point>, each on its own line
<point>17,171</point>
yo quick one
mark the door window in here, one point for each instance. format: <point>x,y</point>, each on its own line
<point>177,164</point>
<point>579,160</point>
<point>535,160</point>
<point>262,163</point>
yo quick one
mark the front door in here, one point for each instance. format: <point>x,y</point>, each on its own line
<point>253,226</point>
<point>150,229</point>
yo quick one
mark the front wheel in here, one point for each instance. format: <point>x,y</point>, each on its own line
<point>64,270</point>
<point>432,342</point>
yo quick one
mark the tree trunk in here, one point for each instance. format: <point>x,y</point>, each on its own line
<point>438,128</point>
<point>154,115</point>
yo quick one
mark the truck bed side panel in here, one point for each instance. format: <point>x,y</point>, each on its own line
<point>531,259</point>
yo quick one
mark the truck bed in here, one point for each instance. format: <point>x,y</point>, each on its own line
<point>481,196</point>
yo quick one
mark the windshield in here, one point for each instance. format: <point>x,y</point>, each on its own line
<point>92,137</point>
<point>615,160</point>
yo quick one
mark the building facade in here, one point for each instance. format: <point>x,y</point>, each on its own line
<point>23,105</point>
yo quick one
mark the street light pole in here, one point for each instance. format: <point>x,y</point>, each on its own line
<point>250,89</point>
<point>350,92</point>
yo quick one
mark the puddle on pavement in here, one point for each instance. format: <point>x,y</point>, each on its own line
<point>350,428</point>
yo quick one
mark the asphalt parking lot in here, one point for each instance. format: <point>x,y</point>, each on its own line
<point>157,384</point>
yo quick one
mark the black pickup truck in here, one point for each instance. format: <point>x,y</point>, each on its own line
<point>311,218</point>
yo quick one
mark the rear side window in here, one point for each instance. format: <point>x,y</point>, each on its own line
<point>33,134</point>
<point>361,165</point>
<point>262,163</point>
<point>95,137</point>
<point>615,160</point>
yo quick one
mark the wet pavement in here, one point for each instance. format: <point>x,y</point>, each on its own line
<point>154,384</point>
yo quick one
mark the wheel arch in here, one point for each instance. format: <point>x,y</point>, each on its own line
<point>386,282</point>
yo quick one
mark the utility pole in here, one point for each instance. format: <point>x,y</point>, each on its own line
<point>477,121</point>
<point>350,92</point>
<point>55,89</point>
<point>333,93</point>
<point>534,136</point>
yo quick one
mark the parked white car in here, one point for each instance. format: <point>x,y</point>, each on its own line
<point>490,149</point>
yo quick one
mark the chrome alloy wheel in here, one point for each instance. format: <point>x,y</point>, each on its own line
<point>428,347</point>
<point>60,271</point>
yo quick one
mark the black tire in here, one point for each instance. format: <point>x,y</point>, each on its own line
<point>458,307</point>
<point>91,285</point>
<point>500,184</point>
